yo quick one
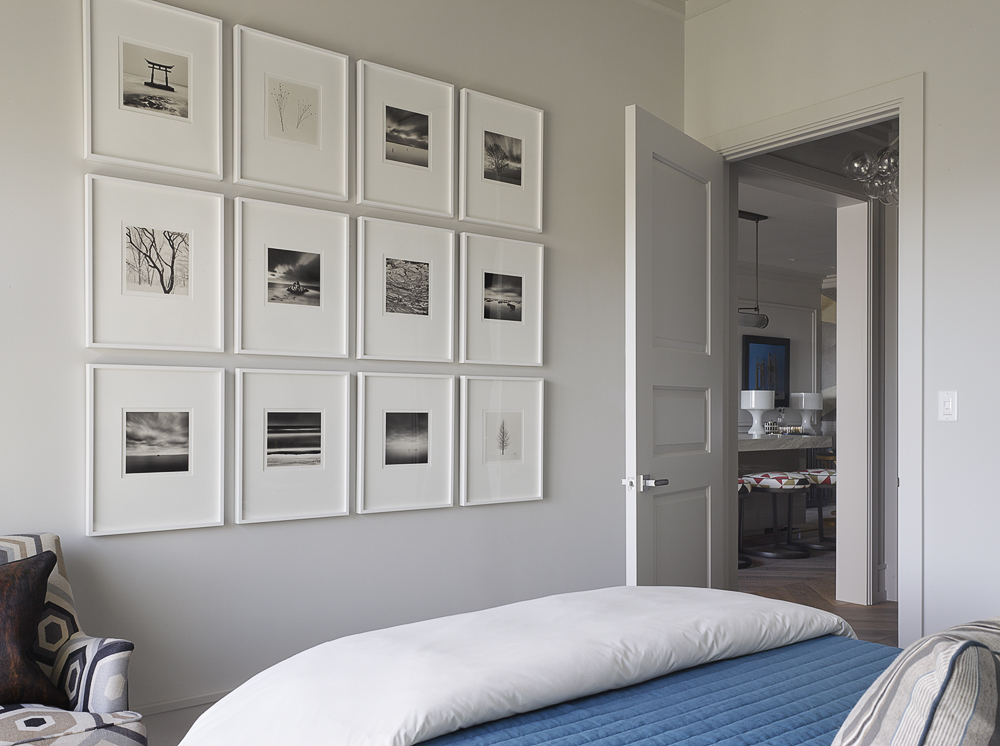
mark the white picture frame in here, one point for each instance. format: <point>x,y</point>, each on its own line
<point>405,141</point>
<point>502,294</point>
<point>155,448</point>
<point>154,271</point>
<point>292,285</point>
<point>500,162</point>
<point>290,115</point>
<point>406,291</point>
<point>502,437</point>
<point>173,121</point>
<point>293,444</point>
<point>406,442</point>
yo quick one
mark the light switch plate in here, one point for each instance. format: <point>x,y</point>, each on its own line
<point>947,406</point>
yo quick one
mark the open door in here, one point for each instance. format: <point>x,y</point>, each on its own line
<point>675,351</point>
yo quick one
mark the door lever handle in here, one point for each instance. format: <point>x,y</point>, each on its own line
<point>645,482</point>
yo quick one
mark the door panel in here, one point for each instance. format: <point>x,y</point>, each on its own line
<point>683,551</point>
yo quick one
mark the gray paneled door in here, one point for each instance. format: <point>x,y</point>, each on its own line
<point>675,357</point>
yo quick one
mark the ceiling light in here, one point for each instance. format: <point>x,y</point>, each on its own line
<point>752,316</point>
<point>878,173</point>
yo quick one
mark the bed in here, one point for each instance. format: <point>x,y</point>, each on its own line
<point>614,666</point>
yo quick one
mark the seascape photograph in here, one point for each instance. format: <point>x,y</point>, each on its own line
<point>293,277</point>
<point>503,436</point>
<point>293,111</point>
<point>407,438</point>
<point>293,439</point>
<point>157,442</point>
<point>407,287</point>
<point>154,81</point>
<point>156,261</point>
<point>502,296</point>
<point>407,137</point>
<point>502,158</point>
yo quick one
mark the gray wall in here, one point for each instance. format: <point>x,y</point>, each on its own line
<point>209,607</point>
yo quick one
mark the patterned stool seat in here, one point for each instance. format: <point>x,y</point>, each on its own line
<point>824,477</point>
<point>49,725</point>
<point>774,480</point>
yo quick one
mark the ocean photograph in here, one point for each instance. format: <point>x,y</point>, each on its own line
<point>294,439</point>
<point>407,137</point>
<point>407,438</point>
<point>154,81</point>
<point>157,442</point>
<point>407,287</point>
<point>502,158</point>
<point>502,296</point>
<point>293,277</point>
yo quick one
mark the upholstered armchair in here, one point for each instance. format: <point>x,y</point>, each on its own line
<point>91,671</point>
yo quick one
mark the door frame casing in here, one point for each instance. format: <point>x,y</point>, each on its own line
<point>904,99</point>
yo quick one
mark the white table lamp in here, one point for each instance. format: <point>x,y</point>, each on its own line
<point>807,405</point>
<point>756,403</point>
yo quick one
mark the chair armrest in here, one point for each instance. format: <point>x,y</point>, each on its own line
<point>93,671</point>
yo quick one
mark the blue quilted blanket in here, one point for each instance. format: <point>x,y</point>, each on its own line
<point>797,695</point>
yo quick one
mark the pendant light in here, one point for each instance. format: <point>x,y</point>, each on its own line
<point>752,316</point>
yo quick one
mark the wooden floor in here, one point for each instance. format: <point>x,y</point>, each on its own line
<point>812,582</point>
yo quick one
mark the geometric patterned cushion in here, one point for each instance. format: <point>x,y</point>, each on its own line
<point>50,726</point>
<point>822,476</point>
<point>774,480</point>
<point>940,691</point>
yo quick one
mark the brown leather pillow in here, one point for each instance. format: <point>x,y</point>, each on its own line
<point>22,597</point>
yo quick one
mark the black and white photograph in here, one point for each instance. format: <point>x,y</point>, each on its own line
<point>293,277</point>
<point>502,296</point>
<point>157,442</point>
<point>502,158</point>
<point>293,439</point>
<point>154,81</point>
<point>293,111</point>
<point>407,438</point>
<point>407,287</point>
<point>503,436</point>
<point>156,261</point>
<point>407,137</point>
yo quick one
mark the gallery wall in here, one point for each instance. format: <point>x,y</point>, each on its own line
<point>209,607</point>
<point>836,49</point>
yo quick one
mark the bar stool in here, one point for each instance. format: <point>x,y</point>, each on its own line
<point>742,492</point>
<point>789,483</point>
<point>822,482</point>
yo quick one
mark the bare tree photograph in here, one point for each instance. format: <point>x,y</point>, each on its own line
<point>156,261</point>
<point>501,158</point>
<point>502,296</point>
<point>154,81</point>
<point>293,277</point>
<point>293,111</point>
<point>293,439</point>
<point>157,442</point>
<point>407,438</point>
<point>407,287</point>
<point>503,435</point>
<point>407,136</point>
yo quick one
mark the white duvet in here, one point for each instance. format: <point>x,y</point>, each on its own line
<point>403,685</point>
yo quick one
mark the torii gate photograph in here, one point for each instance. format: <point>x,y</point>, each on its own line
<point>154,81</point>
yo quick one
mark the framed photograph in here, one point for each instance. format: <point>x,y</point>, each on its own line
<point>406,442</point>
<point>293,444</point>
<point>767,366</point>
<point>155,454</point>
<point>153,87</point>
<point>406,298</point>
<point>154,266</point>
<point>406,141</point>
<point>291,281</point>
<point>501,440</point>
<point>500,166</point>
<point>501,301</point>
<point>289,115</point>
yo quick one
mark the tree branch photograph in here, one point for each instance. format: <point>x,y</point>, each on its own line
<point>503,436</point>
<point>501,158</point>
<point>293,112</point>
<point>156,261</point>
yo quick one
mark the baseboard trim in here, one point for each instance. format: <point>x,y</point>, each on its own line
<point>156,708</point>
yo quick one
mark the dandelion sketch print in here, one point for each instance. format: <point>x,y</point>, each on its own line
<point>503,436</point>
<point>502,158</point>
<point>502,296</point>
<point>157,442</point>
<point>407,287</point>
<point>407,438</point>
<point>407,136</point>
<point>155,262</point>
<point>293,277</point>
<point>293,439</point>
<point>293,111</point>
<point>154,81</point>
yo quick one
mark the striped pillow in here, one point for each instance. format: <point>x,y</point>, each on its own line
<point>940,691</point>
